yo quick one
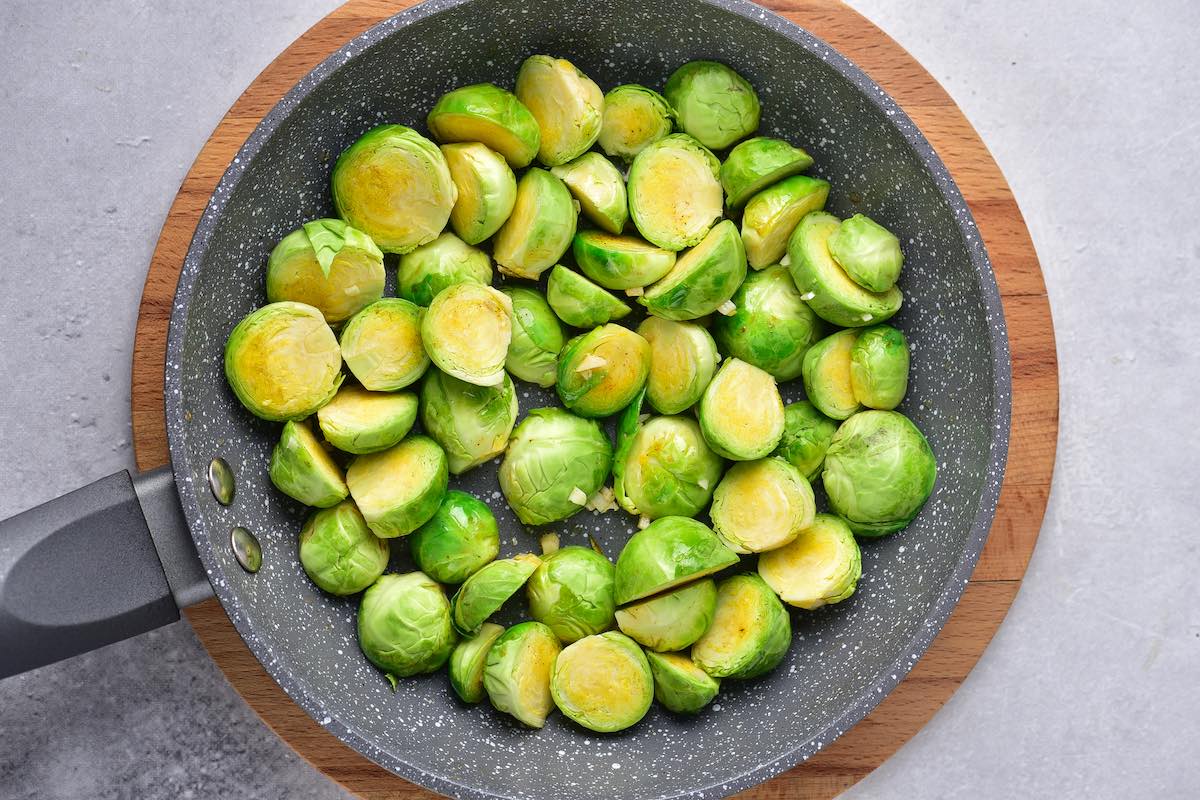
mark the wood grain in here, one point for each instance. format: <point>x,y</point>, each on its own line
<point>1031,453</point>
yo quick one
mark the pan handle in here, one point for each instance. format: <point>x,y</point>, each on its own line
<point>93,567</point>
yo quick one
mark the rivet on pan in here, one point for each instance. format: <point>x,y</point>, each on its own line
<point>220,481</point>
<point>246,549</point>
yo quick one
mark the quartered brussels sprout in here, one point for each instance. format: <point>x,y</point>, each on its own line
<point>488,114</point>
<point>468,661</point>
<point>620,262</point>
<point>572,593</point>
<point>567,105</point>
<point>457,541</point>
<point>820,566</point>
<point>603,682</point>
<point>445,261</point>
<point>517,675</point>
<point>537,337</point>
<point>283,362</point>
<point>540,228</point>
<point>674,194</point>
<point>671,621</point>
<point>770,327</point>
<point>404,625</point>
<point>703,279</point>
<point>750,632</point>
<point>826,287</point>
<point>827,375</point>
<point>338,551</point>
<point>399,489</point>
<point>683,359</point>
<point>466,332</point>
<point>669,552</point>
<point>487,190</point>
<point>761,505</point>
<point>471,423</point>
<point>772,215</point>
<point>303,470</point>
<point>579,302</point>
<point>328,265</point>
<point>757,163</point>
<point>600,189</point>
<point>382,345</point>
<point>484,592</point>
<point>358,421</point>
<point>634,117</point>
<point>806,436</point>
<point>600,372</point>
<point>554,463</point>
<point>868,252</point>
<point>679,684</point>
<point>393,185</point>
<point>879,367</point>
<point>879,472</point>
<point>741,412</point>
<point>712,103</point>
<point>663,468</point>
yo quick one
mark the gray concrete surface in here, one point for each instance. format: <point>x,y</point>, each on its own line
<point>1090,688</point>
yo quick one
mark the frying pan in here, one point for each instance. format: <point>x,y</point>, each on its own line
<point>120,556</point>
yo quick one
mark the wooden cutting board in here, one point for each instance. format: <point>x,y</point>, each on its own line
<point>1031,452</point>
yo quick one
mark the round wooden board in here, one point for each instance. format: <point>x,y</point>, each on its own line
<point>1034,420</point>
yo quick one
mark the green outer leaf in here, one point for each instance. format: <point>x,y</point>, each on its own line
<point>771,327</point>
<point>627,427</point>
<point>620,262</point>
<point>702,279</point>
<point>537,337</point>
<point>301,469</point>
<point>879,364</point>
<point>806,436</point>
<point>668,469</point>
<point>757,163</point>
<point>672,620</point>
<point>684,689</point>
<point>437,265</point>
<point>482,594</point>
<point>472,423</point>
<point>460,539</point>
<point>572,592</point>
<point>339,552</point>
<point>499,108</point>
<point>579,302</point>
<point>868,252</point>
<point>468,661</point>
<point>404,625</point>
<point>669,552</point>
<point>713,103</point>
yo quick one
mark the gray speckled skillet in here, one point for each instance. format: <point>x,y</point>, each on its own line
<point>844,659</point>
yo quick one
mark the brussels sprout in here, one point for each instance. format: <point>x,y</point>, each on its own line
<point>540,228</point>
<point>537,337</point>
<point>600,189</point>
<point>382,345</point>
<point>517,675</point>
<point>603,682</point>
<point>338,551</point>
<point>674,194</point>
<point>393,185</point>
<point>620,262</point>
<point>468,661</point>
<point>879,472</point>
<point>741,412</point>
<point>404,625</point>
<point>703,279</point>
<point>663,468</point>
<point>770,327</point>
<point>634,117</point>
<point>283,362</point>
<point>358,421</point>
<point>712,103</point>
<point>328,265</point>
<point>399,489</point>
<point>806,436</point>
<point>445,261</point>
<point>879,367</point>
<point>826,287</point>
<point>579,302</point>
<point>301,469</point>
<point>457,541</point>
<point>486,113</point>
<point>471,423</point>
<point>554,463</point>
<point>669,552</point>
<point>757,163</point>
<point>750,632</point>
<point>487,190</point>
<point>820,566</point>
<point>772,215</point>
<point>827,375</point>
<point>671,621</point>
<point>679,684</point>
<point>683,359</point>
<point>600,372</point>
<point>485,591</point>
<point>567,105</point>
<point>466,332</point>
<point>868,252</point>
<point>572,593</point>
<point>761,505</point>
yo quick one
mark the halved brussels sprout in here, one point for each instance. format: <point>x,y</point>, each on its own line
<point>399,489</point>
<point>359,421</point>
<point>620,262</point>
<point>301,469</point>
<point>770,327</point>
<point>457,541</point>
<point>603,682</point>
<point>338,551</point>
<point>393,185</point>
<point>683,360</point>
<point>750,633</point>
<point>487,190</point>
<point>820,566</point>
<point>517,675</point>
<point>537,337</point>
<point>669,552</point>
<point>404,625</point>
<point>679,684</point>
<point>663,468</point>
<point>567,105</point>
<point>806,436</point>
<point>741,412</point>
<point>879,367</point>
<point>540,228</point>
<point>703,279</point>
<point>554,463</point>
<point>283,362</point>
<point>466,332</point>
<point>879,472</point>
<point>600,372</point>
<point>757,163</point>
<point>484,592</point>
<point>328,265</point>
<point>761,505</point>
<point>772,215</point>
<point>572,593</point>
<point>671,621</point>
<point>868,252</point>
<point>472,423</point>
<point>674,194</point>
<point>712,103</point>
<point>468,661</point>
<point>634,117</point>
<point>445,261</point>
<point>579,302</point>
<point>825,286</point>
<point>600,189</point>
<point>382,345</point>
<point>827,375</point>
<point>483,112</point>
